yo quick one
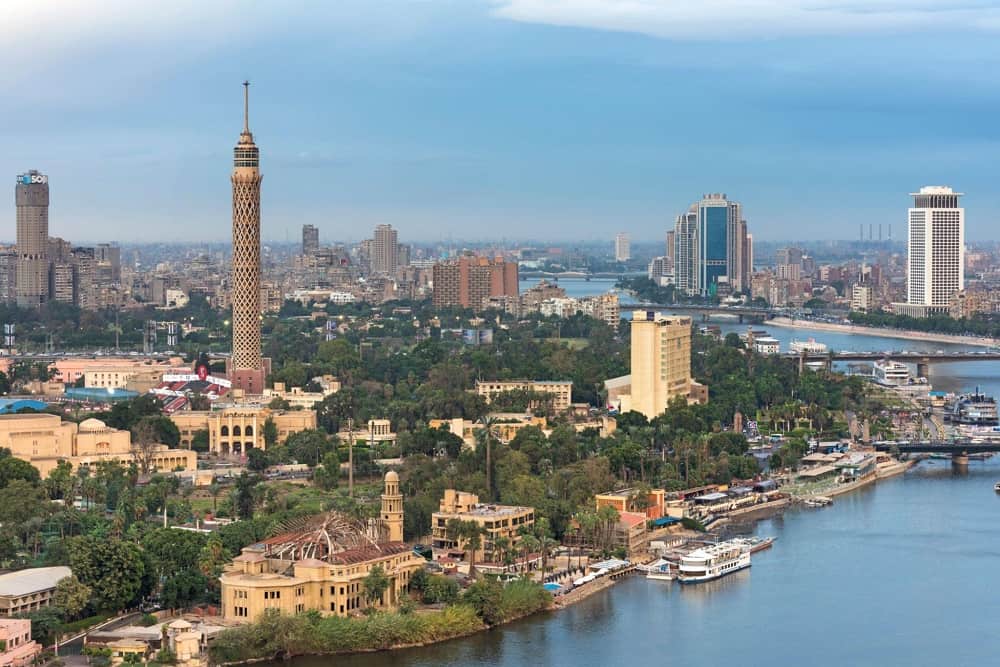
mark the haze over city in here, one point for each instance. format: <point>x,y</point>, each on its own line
<point>508,118</point>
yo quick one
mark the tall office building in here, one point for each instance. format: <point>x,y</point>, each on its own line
<point>623,251</point>
<point>310,239</point>
<point>246,366</point>
<point>31,195</point>
<point>468,281</point>
<point>935,263</point>
<point>684,242</point>
<point>712,247</point>
<point>385,250</point>
<point>8,275</point>
<point>108,263</point>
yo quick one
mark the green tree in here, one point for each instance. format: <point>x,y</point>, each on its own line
<point>338,355</point>
<point>270,433</point>
<point>327,474</point>
<point>71,595</point>
<point>199,441</point>
<point>171,550</point>
<point>113,569</point>
<point>12,468</point>
<point>182,588</point>
<point>375,584</point>
<point>61,482</point>
<point>257,460</point>
<point>486,597</point>
<point>308,446</point>
<point>245,496</point>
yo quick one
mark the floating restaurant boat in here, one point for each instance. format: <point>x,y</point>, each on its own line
<point>895,375</point>
<point>713,561</point>
<point>975,409</point>
<point>810,346</point>
<point>818,501</point>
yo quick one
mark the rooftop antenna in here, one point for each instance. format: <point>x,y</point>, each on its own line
<point>246,107</point>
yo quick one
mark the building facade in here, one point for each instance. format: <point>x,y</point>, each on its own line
<point>44,440</point>
<point>25,591</point>
<point>623,250</point>
<point>496,521</point>
<point>310,239</point>
<point>661,366</point>
<point>712,248</point>
<point>31,195</point>
<point>17,649</point>
<point>470,281</point>
<point>935,264</point>
<point>322,568</point>
<point>561,391</point>
<point>237,430</point>
<point>385,250</point>
<point>246,366</point>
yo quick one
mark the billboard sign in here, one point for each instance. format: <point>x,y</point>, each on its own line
<point>32,179</point>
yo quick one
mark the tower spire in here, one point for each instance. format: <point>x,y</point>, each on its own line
<point>246,107</point>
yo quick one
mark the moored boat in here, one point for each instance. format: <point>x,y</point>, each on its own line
<point>996,487</point>
<point>713,561</point>
<point>661,570</point>
<point>756,543</point>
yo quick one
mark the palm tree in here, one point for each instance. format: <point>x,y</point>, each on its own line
<point>501,548</point>
<point>215,489</point>
<point>529,545</point>
<point>545,541</point>
<point>588,528</point>
<point>486,434</point>
<point>607,516</point>
<point>473,543</point>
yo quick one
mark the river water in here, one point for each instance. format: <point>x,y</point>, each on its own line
<point>904,572</point>
<point>900,573</point>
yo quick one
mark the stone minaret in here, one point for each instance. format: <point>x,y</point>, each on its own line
<point>246,367</point>
<point>392,508</point>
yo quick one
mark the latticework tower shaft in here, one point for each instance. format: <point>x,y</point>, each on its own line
<point>246,365</point>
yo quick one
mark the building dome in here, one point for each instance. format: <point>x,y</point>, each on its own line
<point>391,476</point>
<point>93,425</point>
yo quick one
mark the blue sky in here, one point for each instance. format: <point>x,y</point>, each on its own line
<point>489,119</point>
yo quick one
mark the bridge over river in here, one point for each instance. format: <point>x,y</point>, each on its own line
<point>958,449</point>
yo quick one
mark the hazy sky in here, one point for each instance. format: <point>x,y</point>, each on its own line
<point>557,119</point>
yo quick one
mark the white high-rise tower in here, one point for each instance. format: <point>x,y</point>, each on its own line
<point>935,263</point>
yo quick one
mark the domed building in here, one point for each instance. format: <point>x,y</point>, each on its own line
<point>320,564</point>
<point>43,440</point>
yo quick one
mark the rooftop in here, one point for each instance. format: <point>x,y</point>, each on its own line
<point>483,509</point>
<point>32,580</point>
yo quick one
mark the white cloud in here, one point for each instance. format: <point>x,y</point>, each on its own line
<point>712,20</point>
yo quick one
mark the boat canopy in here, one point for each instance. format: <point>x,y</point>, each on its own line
<point>665,521</point>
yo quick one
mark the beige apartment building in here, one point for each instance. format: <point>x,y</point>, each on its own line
<point>661,366</point>
<point>44,440</point>
<point>239,429</point>
<point>323,566</point>
<point>297,397</point>
<point>496,521</point>
<point>561,391</point>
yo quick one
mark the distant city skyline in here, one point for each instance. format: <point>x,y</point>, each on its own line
<point>500,118</point>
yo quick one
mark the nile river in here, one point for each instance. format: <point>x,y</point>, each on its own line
<point>901,573</point>
<point>905,572</point>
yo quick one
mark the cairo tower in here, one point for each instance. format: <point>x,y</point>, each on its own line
<point>247,368</point>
